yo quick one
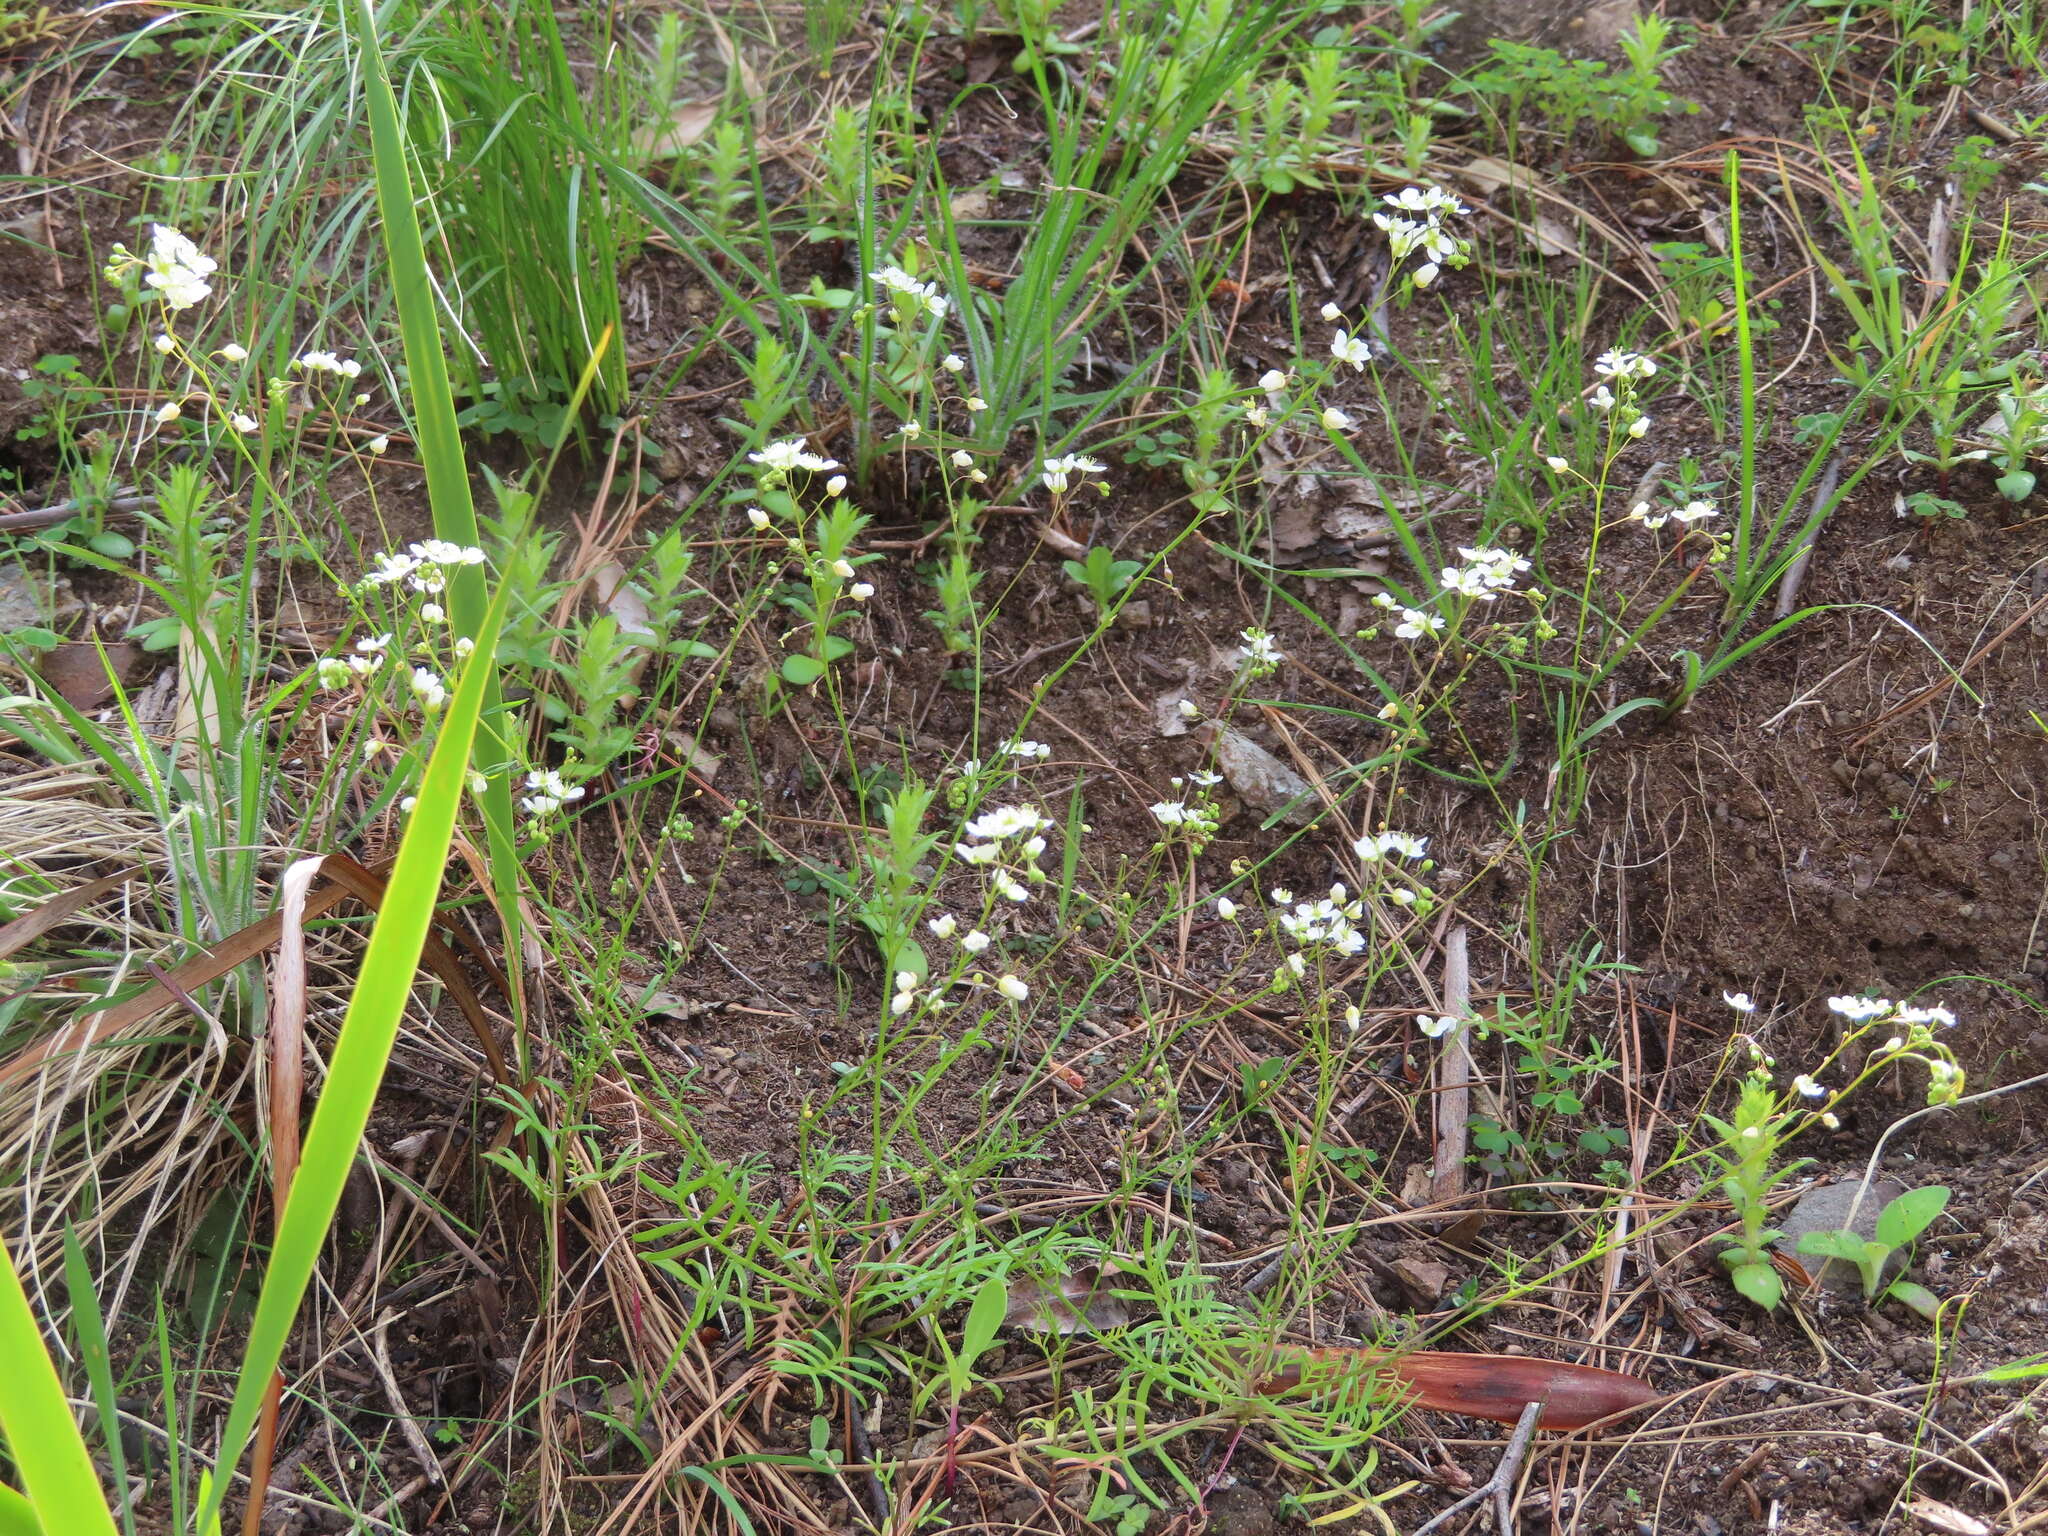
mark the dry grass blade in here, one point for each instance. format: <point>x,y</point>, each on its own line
<point>30,926</point>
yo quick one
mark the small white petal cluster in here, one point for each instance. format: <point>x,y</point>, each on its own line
<point>1059,472</point>
<point>1355,350</point>
<point>1436,1026</point>
<point>1860,1010</point>
<point>1260,653</point>
<point>1328,924</point>
<point>909,293</point>
<point>783,457</point>
<point>422,566</point>
<point>547,793</point>
<point>1375,846</point>
<point>174,269</point>
<point>1692,512</point>
<point>1617,364</point>
<point>1027,751</point>
<point>1007,842</point>
<point>428,688</point>
<point>1485,575</point>
<point>1416,226</point>
<point>328,362</point>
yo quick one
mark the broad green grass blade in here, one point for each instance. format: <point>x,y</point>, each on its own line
<point>91,1330</point>
<point>367,1035</point>
<point>440,445</point>
<point>48,1452</point>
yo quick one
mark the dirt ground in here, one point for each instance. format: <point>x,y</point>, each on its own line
<point>1841,812</point>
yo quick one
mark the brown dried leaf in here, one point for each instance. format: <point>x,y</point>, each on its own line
<point>688,121</point>
<point>1082,1302</point>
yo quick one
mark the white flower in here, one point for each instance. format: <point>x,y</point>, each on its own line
<point>1013,989</point>
<point>1226,909</point>
<point>758,517</point>
<point>1752,1133</point>
<point>1375,847</point>
<point>428,689</point>
<point>233,352</point>
<point>1415,623</point>
<point>1190,710</point>
<point>843,569</point>
<point>1426,274</point>
<point>445,552</point>
<point>1602,399</point>
<point>1058,472</point>
<point>788,455</point>
<point>1808,1088</point>
<point>1272,381</point>
<point>1006,821</point>
<point>1557,465</point>
<point>1332,312</point>
<point>1006,886</point>
<point>835,485</point>
<point>1259,417</point>
<point>1173,813</point>
<point>861,591</point>
<point>1694,511</point>
<point>333,672</point>
<point>953,362</point>
<point>1260,649</point>
<point>1335,420</point>
<point>962,459</point>
<point>911,291</point>
<point>433,613</point>
<point>1026,751</point>
<point>373,644</point>
<point>902,1003</point>
<point>1281,895</point>
<point>1639,426</point>
<point>944,925</point>
<point>911,431</point>
<point>1831,1120</point>
<point>1437,1026</point>
<point>390,568</point>
<point>361,399</point>
<point>164,345</point>
<point>1467,583</point>
<point>1935,1015</point>
<point>379,445</point>
<point>549,782</point>
<point>975,942</point>
<point>1641,513</point>
<point>1616,364</point>
<point>177,269</point>
<point>1354,350</point>
<point>975,403</point>
<point>243,424</point>
<point>464,646</point>
<point>1858,1010</point>
<point>169,412</point>
<point>1205,779</point>
<point>1741,1002</point>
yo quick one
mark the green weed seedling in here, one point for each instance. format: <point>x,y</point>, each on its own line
<point>1899,1226</point>
<point>1104,576</point>
<point>2017,435</point>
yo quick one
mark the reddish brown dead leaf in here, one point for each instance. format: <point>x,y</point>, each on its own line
<point>1496,1387</point>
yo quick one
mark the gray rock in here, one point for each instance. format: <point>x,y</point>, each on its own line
<point>1826,1208</point>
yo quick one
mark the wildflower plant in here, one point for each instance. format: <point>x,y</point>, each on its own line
<point>1767,1118</point>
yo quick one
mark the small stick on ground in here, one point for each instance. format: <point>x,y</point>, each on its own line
<point>1454,1073</point>
<point>1501,1486</point>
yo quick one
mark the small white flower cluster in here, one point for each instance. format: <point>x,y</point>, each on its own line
<point>1007,841</point>
<point>1692,512</point>
<point>1026,750</point>
<point>174,269</point>
<point>1945,1080</point>
<point>1415,622</point>
<point>1059,472</point>
<point>1328,925</point>
<point>328,362</point>
<point>1387,852</point>
<point>423,566</point>
<point>1486,574</point>
<point>1390,845</point>
<point>547,793</point>
<point>428,689</point>
<point>909,294</point>
<point>781,459</point>
<point>1261,655</point>
<point>1416,226</point>
<point>1193,819</point>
